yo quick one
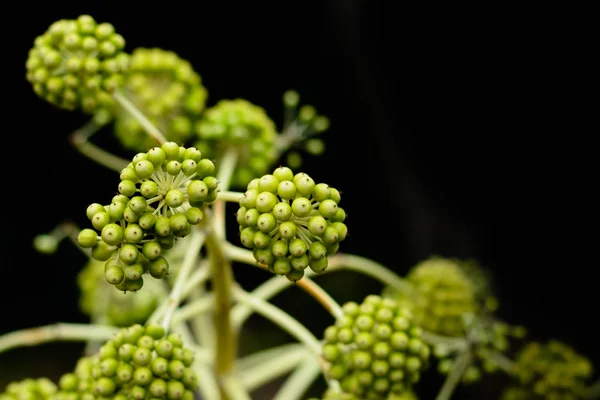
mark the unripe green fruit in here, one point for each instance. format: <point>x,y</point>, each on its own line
<point>304,235</point>
<point>364,345</point>
<point>65,64</point>
<point>549,370</point>
<point>168,92</point>
<point>244,127</point>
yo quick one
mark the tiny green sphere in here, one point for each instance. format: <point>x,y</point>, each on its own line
<point>93,209</point>
<point>114,274</point>
<point>144,169</point>
<point>301,207</point>
<point>127,188</point>
<point>112,234</point>
<point>159,267</point>
<point>87,238</point>
<point>174,198</point>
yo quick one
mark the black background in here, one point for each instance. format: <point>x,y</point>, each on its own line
<point>463,137</point>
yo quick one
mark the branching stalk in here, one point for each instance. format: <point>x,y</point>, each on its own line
<point>80,140</point>
<point>299,381</point>
<point>61,331</point>
<point>148,126</point>
<point>459,367</point>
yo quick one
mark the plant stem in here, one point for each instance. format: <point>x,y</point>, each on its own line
<point>196,239</point>
<point>279,317</point>
<point>233,388</point>
<point>257,369</point>
<point>503,362</point>
<point>60,331</point>
<point>194,308</point>
<point>222,283</point>
<point>233,197</point>
<point>370,268</point>
<point>148,126</point>
<point>80,140</point>
<point>453,343</point>
<point>458,369</point>
<point>319,294</point>
<point>224,173</point>
<point>299,381</point>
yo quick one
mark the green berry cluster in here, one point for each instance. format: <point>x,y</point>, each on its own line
<point>443,296</point>
<point>120,309</point>
<point>486,337</point>
<point>245,128</point>
<point>291,223</point>
<point>302,125</point>
<point>29,389</point>
<point>549,371</point>
<point>167,90</point>
<point>375,349</point>
<point>138,363</point>
<point>77,64</point>
<point>161,195</point>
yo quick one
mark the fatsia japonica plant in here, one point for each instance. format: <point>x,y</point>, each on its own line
<point>165,308</point>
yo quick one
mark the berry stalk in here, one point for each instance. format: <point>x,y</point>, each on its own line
<point>257,369</point>
<point>296,385</point>
<point>56,332</point>
<point>196,240</point>
<point>148,126</point>
<point>80,140</point>
<point>279,317</point>
<point>460,366</point>
<point>222,280</point>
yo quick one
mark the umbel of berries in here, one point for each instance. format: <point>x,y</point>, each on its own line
<point>243,128</point>
<point>162,194</point>
<point>374,349</point>
<point>167,90</point>
<point>444,295</point>
<point>291,223</point>
<point>548,371</point>
<point>77,64</point>
<point>140,362</point>
<point>29,388</point>
<point>119,309</point>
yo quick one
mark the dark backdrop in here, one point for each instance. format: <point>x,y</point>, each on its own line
<point>471,139</point>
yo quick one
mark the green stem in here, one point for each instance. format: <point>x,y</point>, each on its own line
<point>196,239</point>
<point>225,171</point>
<point>233,388</point>
<point>80,140</point>
<point>230,196</point>
<point>56,332</point>
<point>452,343</point>
<point>222,283</point>
<point>262,367</point>
<point>299,381</point>
<point>148,126</point>
<point>458,369</point>
<point>194,308</point>
<point>370,268</point>
<point>279,317</point>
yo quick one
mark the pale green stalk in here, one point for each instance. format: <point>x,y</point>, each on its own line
<point>148,126</point>
<point>260,368</point>
<point>233,388</point>
<point>299,381</point>
<point>279,317</point>
<point>196,239</point>
<point>233,197</point>
<point>458,369</point>
<point>60,331</point>
<point>194,308</point>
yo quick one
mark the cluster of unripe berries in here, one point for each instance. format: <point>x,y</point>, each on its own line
<point>443,295</point>
<point>375,349</point>
<point>486,337</point>
<point>77,64</point>
<point>549,371</point>
<point>301,129</point>
<point>97,297</point>
<point>140,362</point>
<point>161,195</point>
<point>30,389</point>
<point>167,90</point>
<point>245,128</point>
<point>291,223</point>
